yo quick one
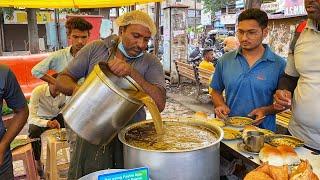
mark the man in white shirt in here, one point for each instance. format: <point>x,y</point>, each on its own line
<point>78,32</point>
<point>299,88</point>
<point>45,104</point>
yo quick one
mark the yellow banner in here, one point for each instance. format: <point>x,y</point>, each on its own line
<point>71,3</point>
<point>20,17</point>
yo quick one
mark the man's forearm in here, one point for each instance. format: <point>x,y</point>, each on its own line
<point>158,94</point>
<point>288,82</point>
<point>270,110</point>
<point>18,121</point>
<point>38,121</point>
<point>217,98</point>
<point>49,79</point>
<point>66,84</point>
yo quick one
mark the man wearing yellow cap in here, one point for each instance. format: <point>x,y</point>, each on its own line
<point>125,55</point>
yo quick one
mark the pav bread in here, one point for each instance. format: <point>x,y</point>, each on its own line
<point>278,156</point>
<point>271,155</point>
<point>289,155</point>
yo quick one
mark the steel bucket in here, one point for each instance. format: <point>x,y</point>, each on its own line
<point>200,164</point>
<point>101,106</point>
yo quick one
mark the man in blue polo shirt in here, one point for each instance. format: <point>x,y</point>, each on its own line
<point>248,75</point>
<point>11,93</point>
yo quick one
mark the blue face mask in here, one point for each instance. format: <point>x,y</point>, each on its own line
<point>124,52</point>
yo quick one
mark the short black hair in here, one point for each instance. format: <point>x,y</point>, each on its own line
<point>206,51</point>
<point>78,23</point>
<point>254,14</point>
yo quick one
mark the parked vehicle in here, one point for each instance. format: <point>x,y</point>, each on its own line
<point>195,56</point>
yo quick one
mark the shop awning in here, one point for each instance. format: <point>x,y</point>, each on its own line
<point>71,3</point>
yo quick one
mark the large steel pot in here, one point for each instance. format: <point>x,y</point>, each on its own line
<point>101,107</point>
<point>197,164</point>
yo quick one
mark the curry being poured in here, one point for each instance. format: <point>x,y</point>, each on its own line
<point>152,107</point>
<point>166,136</point>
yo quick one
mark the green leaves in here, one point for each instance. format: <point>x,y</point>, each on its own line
<point>6,110</point>
<point>213,6</point>
<point>8,11</point>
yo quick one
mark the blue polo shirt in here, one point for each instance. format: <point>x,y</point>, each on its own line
<point>11,93</point>
<point>249,88</point>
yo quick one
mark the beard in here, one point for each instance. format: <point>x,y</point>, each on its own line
<point>134,51</point>
<point>313,11</point>
<point>314,16</point>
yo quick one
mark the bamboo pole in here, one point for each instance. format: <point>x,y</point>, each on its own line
<point>33,31</point>
<point>157,21</point>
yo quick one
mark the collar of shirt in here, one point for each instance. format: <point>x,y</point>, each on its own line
<point>47,93</point>
<point>206,60</point>
<point>267,55</point>
<point>68,49</point>
<point>311,25</point>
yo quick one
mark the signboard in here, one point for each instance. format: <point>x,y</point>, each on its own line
<point>288,8</point>
<point>228,19</point>
<point>205,18</point>
<point>239,4</point>
<point>132,174</point>
<point>294,8</point>
<point>106,28</point>
<point>272,7</point>
<point>20,17</point>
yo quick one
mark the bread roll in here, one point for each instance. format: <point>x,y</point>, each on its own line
<point>271,155</point>
<point>279,172</point>
<point>267,172</point>
<point>200,115</point>
<point>264,168</point>
<point>257,175</point>
<point>303,172</point>
<point>281,155</point>
<point>289,155</point>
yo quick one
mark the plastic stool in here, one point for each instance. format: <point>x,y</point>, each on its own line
<point>25,153</point>
<point>53,146</point>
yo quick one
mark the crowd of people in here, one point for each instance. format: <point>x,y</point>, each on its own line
<point>256,81</point>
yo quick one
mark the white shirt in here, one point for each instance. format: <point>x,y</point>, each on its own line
<point>56,61</point>
<point>43,106</point>
<point>305,64</point>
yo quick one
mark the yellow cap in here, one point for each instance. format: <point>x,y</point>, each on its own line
<point>137,17</point>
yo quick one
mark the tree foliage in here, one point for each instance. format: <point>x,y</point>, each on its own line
<point>213,6</point>
<point>8,11</point>
<point>69,10</point>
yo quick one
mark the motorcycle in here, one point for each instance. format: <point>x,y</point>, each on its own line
<point>195,56</point>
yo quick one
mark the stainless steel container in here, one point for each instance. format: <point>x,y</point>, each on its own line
<point>101,107</point>
<point>198,164</point>
<point>254,141</point>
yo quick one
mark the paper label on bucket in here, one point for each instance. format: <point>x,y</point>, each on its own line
<point>131,174</point>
